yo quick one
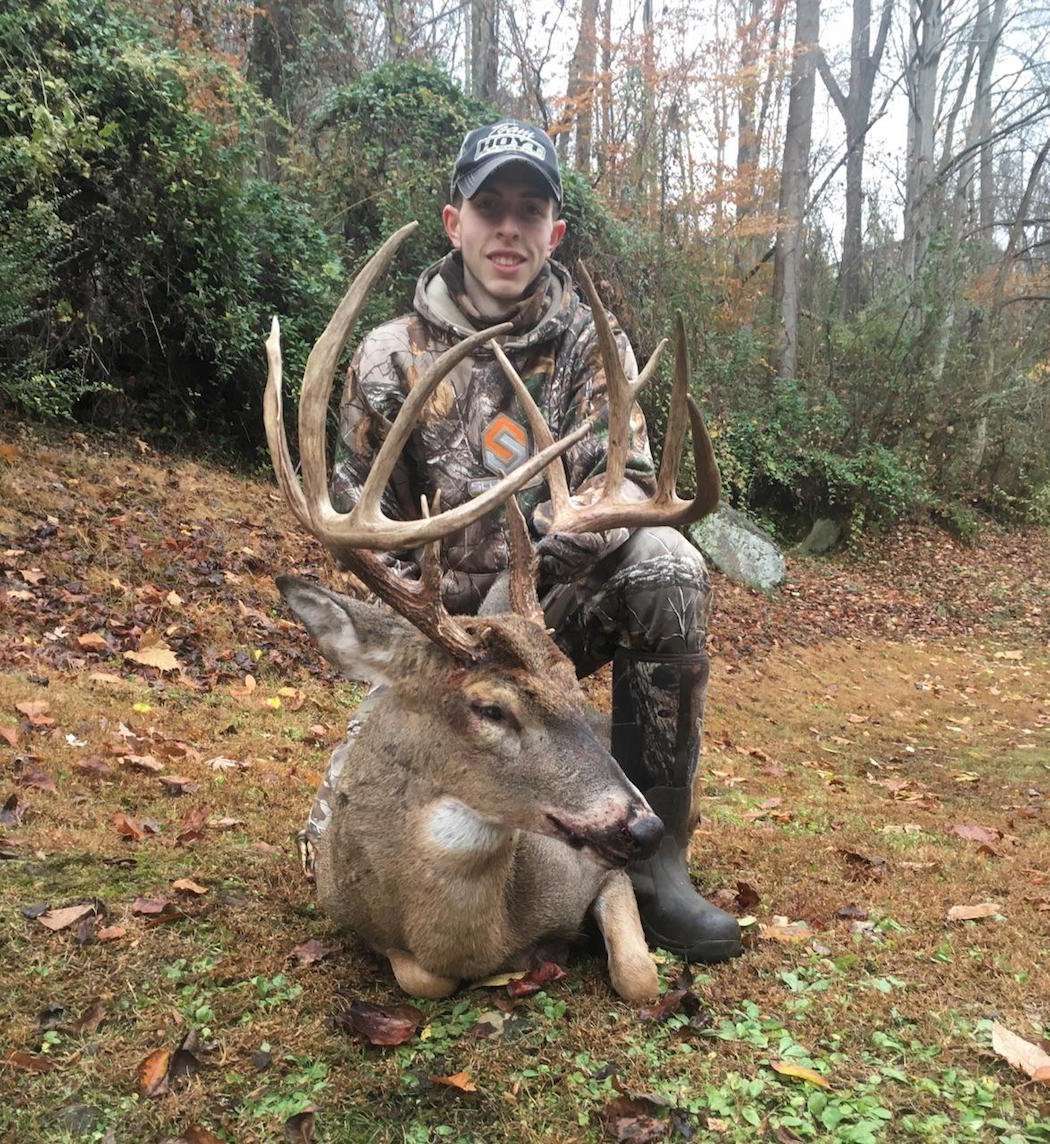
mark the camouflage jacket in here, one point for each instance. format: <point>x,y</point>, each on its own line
<point>472,431</point>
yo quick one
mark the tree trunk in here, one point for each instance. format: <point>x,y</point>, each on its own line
<point>855,108</point>
<point>794,185</point>
<point>927,23</point>
<point>605,150</point>
<point>586,65</point>
<point>272,48</point>
<point>484,49</point>
<point>989,30</point>
<point>748,15</point>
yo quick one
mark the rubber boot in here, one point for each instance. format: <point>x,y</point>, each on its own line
<point>657,724</point>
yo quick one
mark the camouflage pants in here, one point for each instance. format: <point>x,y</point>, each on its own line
<point>651,595</point>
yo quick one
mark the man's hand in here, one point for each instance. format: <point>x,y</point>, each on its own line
<point>566,556</point>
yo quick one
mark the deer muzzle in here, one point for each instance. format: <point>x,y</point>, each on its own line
<point>617,843</point>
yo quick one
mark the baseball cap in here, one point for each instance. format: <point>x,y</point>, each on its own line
<point>486,149</point>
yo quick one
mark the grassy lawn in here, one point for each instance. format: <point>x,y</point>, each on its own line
<point>878,702</point>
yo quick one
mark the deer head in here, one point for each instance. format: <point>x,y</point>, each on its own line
<point>492,706</point>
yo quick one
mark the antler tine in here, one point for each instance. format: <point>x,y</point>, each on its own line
<point>617,387</point>
<point>674,438</point>
<point>665,506</point>
<point>522,587</point>
<point>541,432</point>
<point>273,419</point>
<point>320,375</point>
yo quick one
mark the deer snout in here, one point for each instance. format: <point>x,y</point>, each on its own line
<point>645,832</point>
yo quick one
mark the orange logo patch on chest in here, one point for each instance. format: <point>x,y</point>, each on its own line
<point>504,445</point>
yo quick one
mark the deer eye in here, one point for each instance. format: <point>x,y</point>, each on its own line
<point>490,711</point>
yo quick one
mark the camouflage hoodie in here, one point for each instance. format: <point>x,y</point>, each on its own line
<point>472,432</point>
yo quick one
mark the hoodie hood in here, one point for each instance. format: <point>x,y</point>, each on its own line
<point>544,314</point>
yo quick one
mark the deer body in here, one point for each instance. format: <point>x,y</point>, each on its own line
<point>479,814</point>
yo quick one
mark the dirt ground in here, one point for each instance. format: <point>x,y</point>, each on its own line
<point>877,753</point>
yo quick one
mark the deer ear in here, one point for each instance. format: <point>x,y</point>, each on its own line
<point>357,638</point>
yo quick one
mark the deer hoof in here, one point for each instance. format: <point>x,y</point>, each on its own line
<point>417,981</point>
<point>635,978</point>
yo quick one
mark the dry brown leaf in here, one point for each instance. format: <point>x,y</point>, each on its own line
<point>800,1072</point>
<point>107,677</point>
<point>986,835</point>
<point>93,641</point>
<point>973,913</point>
<point>9,735</point>
<point>178,784</point>
<point>59,919</point>
<point>188,886</point>
<point>460,1080</point>
<point>111,933</point>
<point>128,827</point>
<point>35,710</point>
<point>30,1062</point>
<point>1021,1054</point>
<point>33,576</point>
<point>157,655</point>
<point>785,931</point>
<point>146,763</point>
<point>153,1073</point>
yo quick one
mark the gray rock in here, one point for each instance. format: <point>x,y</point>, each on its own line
<point>736,546</point>
<point>823,537</point>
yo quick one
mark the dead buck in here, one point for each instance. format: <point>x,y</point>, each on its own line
<point>481,812</point>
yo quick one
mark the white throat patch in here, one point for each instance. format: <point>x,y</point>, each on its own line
<point>454,827</point>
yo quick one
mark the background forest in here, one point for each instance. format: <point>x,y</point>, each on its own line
<point>851,206</point>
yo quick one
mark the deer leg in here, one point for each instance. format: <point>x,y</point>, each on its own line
<point>631,968</point>
<point>417,981</point>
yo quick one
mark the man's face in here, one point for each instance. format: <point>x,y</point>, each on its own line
<point>505,232</point>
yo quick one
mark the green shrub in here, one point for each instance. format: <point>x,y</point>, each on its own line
<point>137,254</point>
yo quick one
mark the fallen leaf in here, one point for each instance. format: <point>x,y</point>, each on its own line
<point>192,826</point>
<point>852,912</point>
<point>143,763</point>
<point>184,1062</point>
<point>9,735</point>
<point>188,886</point>
<point>499,979</point>
<point>33,576</point>
<point>30,1062</point>
<point>973,913</point>
<point>800,1072</point>
<point>178,784</point>
<point>158,655</point>
<point>195,1134</point>
<point>111,933</point>
<point>92,1017</point>
<point>12,811</point>
<point>460,1081</point>
<point>988,835</point>
<point>35,779</point>
<point>173,600</point>
<point>93,641</point>
<point>626,1119</point>
<point>380,1024</point>
<point>490,1023</point>
<point>107,677</point>
<point>862,867</point>
<point>55,920</point>
<point>1032,1060</point>
<point>784,931</point>
<point>536,979</point>
<point>128,827</point>
<point>148,906</point>
<point>299,1129</point>
<point>35,710</point>
<point>93,769</point>
<point>152,1074</point>
<point>311,951</point>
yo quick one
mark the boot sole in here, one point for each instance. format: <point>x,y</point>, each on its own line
<point>706,952</point>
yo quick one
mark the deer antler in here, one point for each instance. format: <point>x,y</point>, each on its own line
<point>605,508</point>
<point>353,537</point>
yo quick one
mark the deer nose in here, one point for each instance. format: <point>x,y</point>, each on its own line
<point>645,833</point>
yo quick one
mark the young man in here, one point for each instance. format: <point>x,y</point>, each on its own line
<point>639,599</point>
